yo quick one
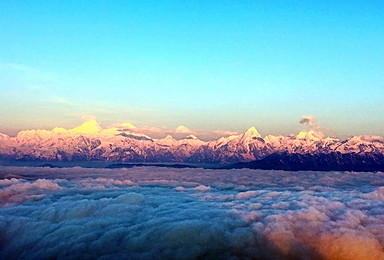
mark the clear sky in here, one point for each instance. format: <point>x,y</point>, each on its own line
<point>204,64</point>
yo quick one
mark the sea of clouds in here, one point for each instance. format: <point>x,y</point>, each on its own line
<point>165,213</point>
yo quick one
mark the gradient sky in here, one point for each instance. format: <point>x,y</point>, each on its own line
<point>205,64</point>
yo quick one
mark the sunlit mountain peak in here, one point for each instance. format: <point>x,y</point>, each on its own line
<point>252,132</point>
<point>89,127</point>
<point>192,137</point>
<point>59,130</point>
<point>183,130</point>
<point>310,135</point>
<point>128,125</point>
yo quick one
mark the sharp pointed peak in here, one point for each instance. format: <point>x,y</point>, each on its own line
<point>252,132</point>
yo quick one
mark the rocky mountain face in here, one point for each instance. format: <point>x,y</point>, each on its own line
<point>91,142</point>
<point>334,161</point>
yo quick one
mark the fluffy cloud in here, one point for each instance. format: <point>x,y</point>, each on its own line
<point>312,123</point>
<point>9,181</point>
<point>248,194</point>
<point>377,194</point>
<point>309,121</point>
<point>202,188</point>
<point>103,183</point>
<point>20,191</point>
<point>150,212</point>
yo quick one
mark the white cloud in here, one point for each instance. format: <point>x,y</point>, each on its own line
<point>22,191</point>
<point>202,188</point>
<point>9,181</point>
<point>309,121</point>
<point>248,194</point>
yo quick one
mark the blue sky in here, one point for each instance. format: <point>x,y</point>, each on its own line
<point>205,64</point>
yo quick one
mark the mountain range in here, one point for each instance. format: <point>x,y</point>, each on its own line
<point>308,150</point>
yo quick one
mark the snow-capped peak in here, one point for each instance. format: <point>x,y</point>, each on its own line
<point>168,140</point>
<point>191,137</point>
<point>89,127</point>
<point>251,133</point>
<point>310,135</point>
<point>117,143</point>
<point>59,130</point>
<point>368,138</point>
<point>191,140</point>
<point>4,136</point>
<point>182,130</point>
<point>128,125</point>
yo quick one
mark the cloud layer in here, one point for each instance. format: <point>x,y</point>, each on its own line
<point>153,213</point>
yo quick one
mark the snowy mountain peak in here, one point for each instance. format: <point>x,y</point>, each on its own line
<point>89,127</point>
<point>168,141</point>
<point>310,135</point>
<point>182,130</point>
<point>3,135</point>
<point>191,137</point>
<point>91,142</point>
<point>368,139</point>
<point>128,125</point>
<point>252,132</point>
<point>59,130</point>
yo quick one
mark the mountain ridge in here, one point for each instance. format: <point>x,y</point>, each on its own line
<point>90,142</point>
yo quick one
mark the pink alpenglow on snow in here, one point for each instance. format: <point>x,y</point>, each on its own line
<point>308,150</point>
